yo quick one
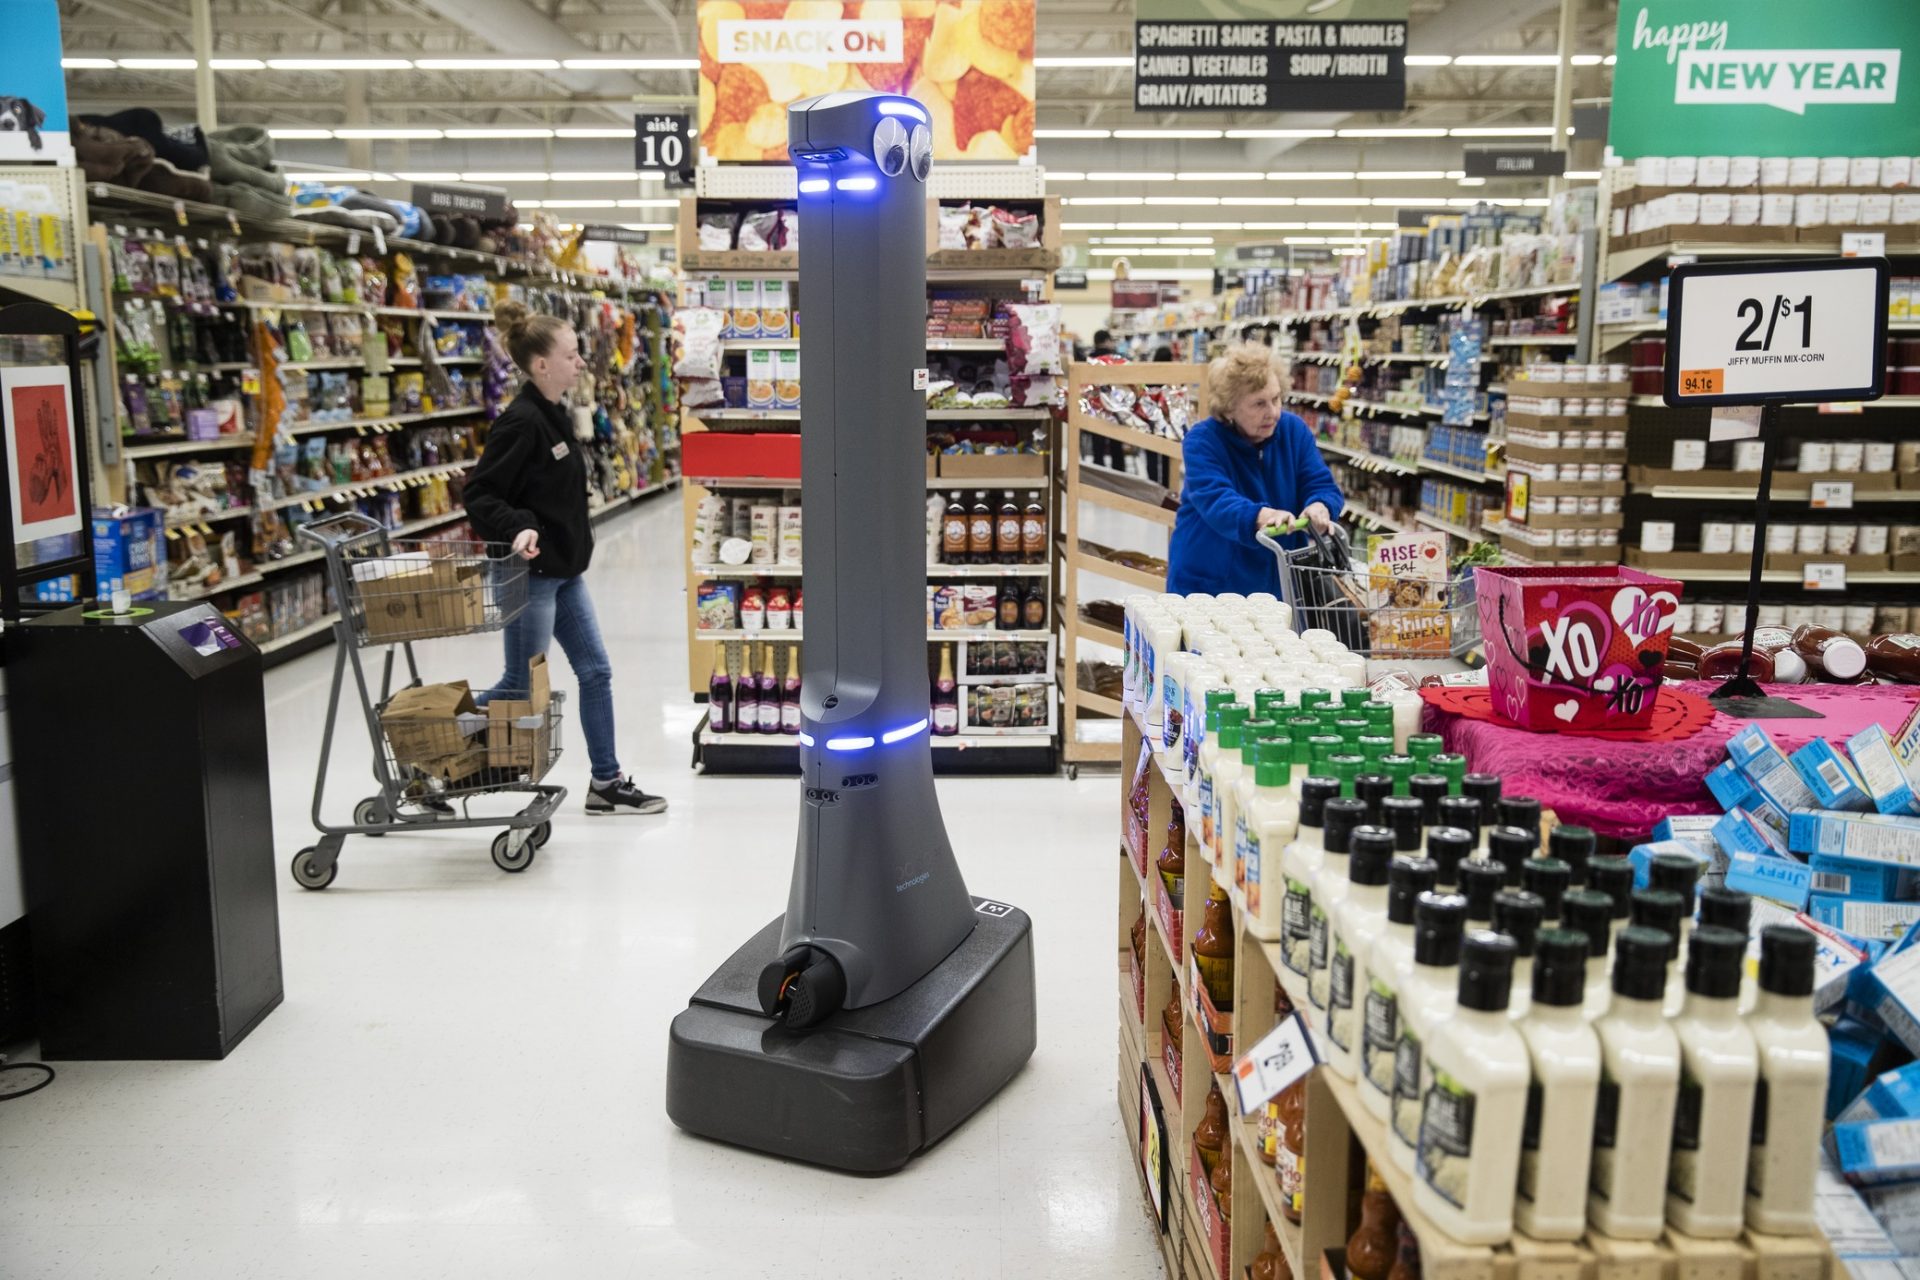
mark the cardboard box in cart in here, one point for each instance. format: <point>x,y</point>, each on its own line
<point>415,596</point>
<point>427,730</point>
<point>519,735</point>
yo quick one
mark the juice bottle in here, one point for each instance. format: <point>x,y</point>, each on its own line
<point>1427,991</point>
<point>1341,817</point>
<point>1557,1148</point>
<point>720,693</point>
<point>1793,1086</point>
<point>1719,1070</point>
<point>1299,863</point>
<point>946,697</point>
<point>1639,1085</point>
<point>1392,950</point>
<point>1272,820</point>
<point>1358,918</point>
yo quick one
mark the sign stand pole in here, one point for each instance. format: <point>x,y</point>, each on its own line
<point>1743,685</point>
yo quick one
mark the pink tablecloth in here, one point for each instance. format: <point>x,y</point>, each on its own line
<point>1621,789</point>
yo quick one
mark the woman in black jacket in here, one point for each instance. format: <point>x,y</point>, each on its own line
<point>530,490</point>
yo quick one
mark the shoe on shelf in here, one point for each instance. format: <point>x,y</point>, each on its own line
<point>621,797</point>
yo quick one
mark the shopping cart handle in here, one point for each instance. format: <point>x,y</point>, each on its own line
<point>1268,536</point>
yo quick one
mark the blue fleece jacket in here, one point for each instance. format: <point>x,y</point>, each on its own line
<point>1228,480</point>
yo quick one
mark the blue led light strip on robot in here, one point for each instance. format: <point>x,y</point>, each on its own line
<point>904,109</point>
<point>856,184</point>
<point>810,185</point>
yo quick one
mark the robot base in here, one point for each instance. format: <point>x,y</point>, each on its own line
<point>869,1088</point>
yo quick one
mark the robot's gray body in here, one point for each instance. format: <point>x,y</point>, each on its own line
<point>887,1003</point>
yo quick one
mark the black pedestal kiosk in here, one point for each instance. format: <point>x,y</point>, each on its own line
<point>140,744</point>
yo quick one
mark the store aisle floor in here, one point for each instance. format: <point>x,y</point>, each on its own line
<point>466,1078</point>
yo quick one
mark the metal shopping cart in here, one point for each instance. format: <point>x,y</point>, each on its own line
<point>432,748</point>
<point>1372,610</point>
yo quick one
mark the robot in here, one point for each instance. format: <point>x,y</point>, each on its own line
<point>887,1004</point>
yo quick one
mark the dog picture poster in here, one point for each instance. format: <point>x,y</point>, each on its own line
<point>36,402</point>
<point>33,87</point>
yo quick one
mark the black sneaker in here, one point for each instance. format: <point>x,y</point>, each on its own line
<point>622,797</point>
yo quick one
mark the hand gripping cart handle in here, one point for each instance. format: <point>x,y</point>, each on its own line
<point>433,748</point>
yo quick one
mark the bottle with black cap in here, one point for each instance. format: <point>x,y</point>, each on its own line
<point>1403,816</point>
<point>1574,846</point>
<point>1371,789</point>
<point>1299,863</point>
<point>1429,789</point>
<point>1329,887</point>
<point>1519,915</point>
<point>1463,812</point>
<point>1550,878</point>
<point>1484,787</point>
<point>1556,1151</point>
<point>1475,1109</point>
<point>1407,879</point>
<point>1663,909</point>
<point>1679,874</point>
<point>1613,877</point>
<point>1639,1084</point>
<point>1713,1118</point>
<point>1590,913</point>
<point>1510,847</point>
<point>1732,909</point>
<point>1448,847</point>
<point>1272,819</point>
<point>1426,996</point>
<point>1520,811</point>
<point>1358,918</point>
<point>1791,1103</point>
<point>1479,881</point>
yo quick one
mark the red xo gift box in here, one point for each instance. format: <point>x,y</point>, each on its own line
<point>1575,646</point>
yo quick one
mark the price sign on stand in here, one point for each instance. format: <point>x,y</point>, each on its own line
<point>1282,1056</point>
<point>1776,332</point>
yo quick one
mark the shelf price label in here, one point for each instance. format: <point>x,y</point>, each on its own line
<point>1824,577</point>
<point>1832,495</point>
<point>1284,1055</point>
<point>1776,332</point>
<point>1863,244</point>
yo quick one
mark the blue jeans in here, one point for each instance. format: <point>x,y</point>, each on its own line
<point>560,609</point>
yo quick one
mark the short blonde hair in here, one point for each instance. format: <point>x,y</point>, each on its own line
<point>1242,368</point>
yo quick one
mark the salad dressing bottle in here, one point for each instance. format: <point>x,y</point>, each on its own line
<point>1233,838</point>
<point>1463,812</point>
<point>1427,993</point>
<point>1614,877</point>
<point>1358,919</point>
<point>1448,847</point>
<point>1556,1149</point>
<point>1639,1085</point>
<point>1713,1117</point>
<point>1574,846</point>
<point>1391,953</point>
<point>1732,909</point>
<point>1590,913</point>
<point>1329,888</point>
<point>1549,879</point>
<point>1299,864</point>
<point>1484,787</point>
<point>1791,1098</point>
<point>1272,819</point>
<point>1518,914</point>
<point>1221,748</point>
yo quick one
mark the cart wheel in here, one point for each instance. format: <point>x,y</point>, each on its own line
<point>1073,772</point>
<point>542,834</point>
<point>506,859</point>
<point>307,874</point>
<point>371,812</point>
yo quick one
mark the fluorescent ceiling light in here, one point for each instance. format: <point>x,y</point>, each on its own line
<point>1154,176</point>
<point>1261,200</point>
<point>1240,175</point>
<point>1393,133</point>
<point>1349,252</point>
<point>1587,59</point>
<point>493,176</point>
<point>1181,201</point>
<point>648,226</point>
<point>1142,252</point>
<point>650,204</point>
<point>1086,226</point>
<point>1101,60</point>
<point>384,132</point>
<point>487,64</point>
<point>1106,200</point>
<point>1428,59</point>
<point>528,204</point>
<point>1504,131</point>
<point>565,132</point>
<point>1186,239</point>
<point>1582,175</point>
<point>592,175</point>
<point>158,64</point>
<point>429,175</point>
<point>340,64</point>
<point>1280,133</point>
<point>1394,175</point>
<point>1393,201</point>
<point>499,133</point>
<point>88,64</point>
<point>1273,226</point>
<point>1166,133</point>
<point>1210,226</point>
<point>631,64</point>
<point>237,64</point>
<point>1065,176</point>
<point>1507,60</point>
<point>1333,200</point>
<point>1473,182</point>
<point>1310,175</point>
<point>299,135</point>
<point>1072,133</point>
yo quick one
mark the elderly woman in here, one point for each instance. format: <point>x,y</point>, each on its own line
<point>1249,466</point>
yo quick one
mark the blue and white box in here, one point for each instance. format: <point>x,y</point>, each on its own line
<point>1880,772</point>
<point>1863,881</point>
<point>1831,777</point>
<point>1729,784</point>
<point>1767,875</point>
<point>1865,837</point>
<point>1878,1150</point>
<point>1740,831</point>
<point>1753,751</point>
<point>1783,787</point>
<point>1877,921</point>
<point>1642,856</point>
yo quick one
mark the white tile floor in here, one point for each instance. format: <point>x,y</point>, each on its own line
<point>466,1078</point>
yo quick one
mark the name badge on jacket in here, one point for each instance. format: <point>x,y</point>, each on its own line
<point>560,451</point>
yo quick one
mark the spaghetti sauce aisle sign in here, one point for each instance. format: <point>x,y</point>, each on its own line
<point>1349,56</point>
<point>1767,79</point>
<point>969,61</point>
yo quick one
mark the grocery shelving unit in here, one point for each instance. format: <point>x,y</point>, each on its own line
<point>975,272</point>
<point>1097,486</point>
<point>1339,1132</point>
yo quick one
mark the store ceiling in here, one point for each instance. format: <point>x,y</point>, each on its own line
<point>1146,181</point>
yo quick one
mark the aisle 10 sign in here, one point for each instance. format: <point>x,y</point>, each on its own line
<point>1777,332</point>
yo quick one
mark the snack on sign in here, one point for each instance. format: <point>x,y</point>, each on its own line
<point>969,61</point>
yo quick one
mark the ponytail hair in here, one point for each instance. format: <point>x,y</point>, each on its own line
<point>528,336</point>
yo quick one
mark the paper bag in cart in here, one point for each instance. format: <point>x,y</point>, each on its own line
<point>424,731</point>
<point>519,732</point>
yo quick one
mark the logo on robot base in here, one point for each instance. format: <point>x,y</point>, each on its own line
<point>988,908</point>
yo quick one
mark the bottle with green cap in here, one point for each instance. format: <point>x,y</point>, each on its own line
<point>1329,888</point>
<point>1219,762</point>
<point>1793,1068</point>
<point>1400,769</point>
<point>1407,879</point>
<point>1375,748</point>
<point>1346,766</point>
<point>1316,697</point>
<point>1356,921</point>
<point>1428,990</point>
<point>1325,746</point>
<point>1639,1086</point>
<point>1379,716</point>
<point>1350,728</point>
<point>1354,699</point>
<point>1271,818</point>
<point>1227,800</point>
<point>1299,863</point>
<point>1270,704</point>
<point>1556,1152</point>
<point>1205,723</point>
<point>1475,1110</point>
<point>1453,767</point>
<point>1719,1069</point>
<point>1300,729</point>
<point>1425,746</point>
